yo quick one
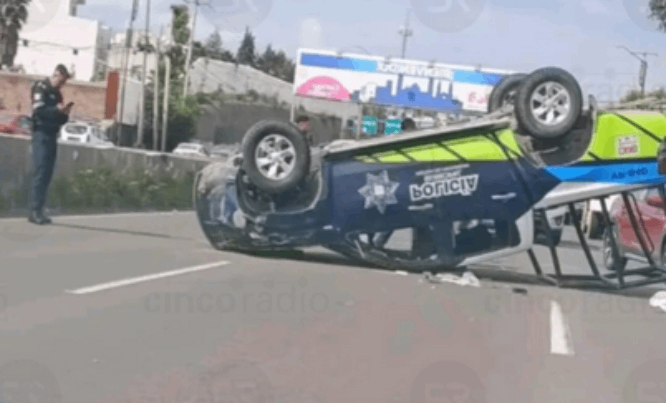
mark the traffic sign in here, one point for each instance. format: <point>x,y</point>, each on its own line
<point>370,125</point>
<point>392,126</point>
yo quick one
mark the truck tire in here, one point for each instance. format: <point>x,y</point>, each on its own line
<point>595,229</point>
<point>549,103</point>
<point>276,156</point>
<point>504,92</point>
<point>610,261</point>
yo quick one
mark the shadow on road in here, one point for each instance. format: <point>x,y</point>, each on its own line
<point>501,275</point>
<point>576,245</point>
<point>120,231</point>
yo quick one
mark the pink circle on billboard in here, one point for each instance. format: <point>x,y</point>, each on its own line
<point>324,87</point>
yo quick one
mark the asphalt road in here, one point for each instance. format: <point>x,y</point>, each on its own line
<point>139,308</point>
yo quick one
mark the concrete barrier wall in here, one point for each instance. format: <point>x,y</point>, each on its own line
<point>16,162</point>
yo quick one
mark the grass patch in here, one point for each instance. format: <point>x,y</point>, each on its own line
<point>103,189</point>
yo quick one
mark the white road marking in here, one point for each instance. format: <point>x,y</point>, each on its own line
<point>561,342</point>
<point>136,280</point>
<point>108,215</point>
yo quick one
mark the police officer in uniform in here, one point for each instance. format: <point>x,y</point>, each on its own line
<point>48,116</point>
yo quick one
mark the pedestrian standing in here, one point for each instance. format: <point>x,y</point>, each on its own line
<point>49,114</point>
<point>304,125</point>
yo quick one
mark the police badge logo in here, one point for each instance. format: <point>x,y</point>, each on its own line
<point>379,191</point>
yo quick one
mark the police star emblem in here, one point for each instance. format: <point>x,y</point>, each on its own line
<point>379,191</point>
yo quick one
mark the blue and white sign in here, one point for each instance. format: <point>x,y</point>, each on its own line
<point>393,82</point>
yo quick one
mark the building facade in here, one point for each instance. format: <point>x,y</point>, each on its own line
<point>75,42</point>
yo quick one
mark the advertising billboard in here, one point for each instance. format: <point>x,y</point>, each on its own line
<point>393,82</point>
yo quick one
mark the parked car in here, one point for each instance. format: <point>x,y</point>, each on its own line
<point>225,151</point>
<point>83,132</point>
<point>191,149</point>
<point>649,213</point>
<point>15,124</point>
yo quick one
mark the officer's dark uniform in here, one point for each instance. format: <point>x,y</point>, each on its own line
<point>47,121</point>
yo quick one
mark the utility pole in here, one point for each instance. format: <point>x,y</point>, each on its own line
<point>642,74</point>
<point>125,68</point>
<point>156,91</point>
<point>165,107</point>
<point>188,60</point>
<point>405,32</point>
<point>144,75</point>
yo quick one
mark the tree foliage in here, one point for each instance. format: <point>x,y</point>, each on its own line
<point>13,14</point>
<point>184,113</point>
<point>276,64</point>
<point>213,48</point>
<point>245,54</point>
<point>658,13</point>
<point>635,95</point>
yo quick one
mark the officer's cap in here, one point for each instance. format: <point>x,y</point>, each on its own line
<point>62,70</point>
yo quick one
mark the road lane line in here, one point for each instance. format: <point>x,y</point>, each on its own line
<point>136,280</point>
<point>106,215</point>
<point>561,342</point>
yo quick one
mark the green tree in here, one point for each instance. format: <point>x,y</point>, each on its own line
<point>213,45</point>
<point>184,113</point>
<point>267,62</point>
<point>13,14</point>
<point>245,53</point>
<point>658,13</point>
<point>214,50</point>
<point>181,34</point>
<point>286,68</point>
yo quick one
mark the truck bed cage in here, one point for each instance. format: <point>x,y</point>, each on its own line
<point>497,120</point>
<point>654,273</point>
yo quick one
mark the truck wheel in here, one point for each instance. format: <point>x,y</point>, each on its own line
<point>504,92</point>
<point>549,103</point>
<point>276,156</point>
<point>596,226</point>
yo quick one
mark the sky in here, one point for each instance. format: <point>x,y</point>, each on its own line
<point>515,35</point>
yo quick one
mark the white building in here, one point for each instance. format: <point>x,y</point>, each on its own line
<point>118,52</point>
<point>75,42</point>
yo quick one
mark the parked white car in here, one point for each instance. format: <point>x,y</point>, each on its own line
<point>82,132</point>
<point>191,150</point>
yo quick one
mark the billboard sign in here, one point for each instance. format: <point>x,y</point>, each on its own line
<point>393,82</point>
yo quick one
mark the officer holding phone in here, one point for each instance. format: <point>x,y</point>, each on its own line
<point>48,116</point>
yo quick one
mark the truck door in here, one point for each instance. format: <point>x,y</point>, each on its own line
<point>482,198</point>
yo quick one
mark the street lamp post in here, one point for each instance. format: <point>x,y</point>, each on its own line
<point>405,32</point>
<point>642,74</point>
